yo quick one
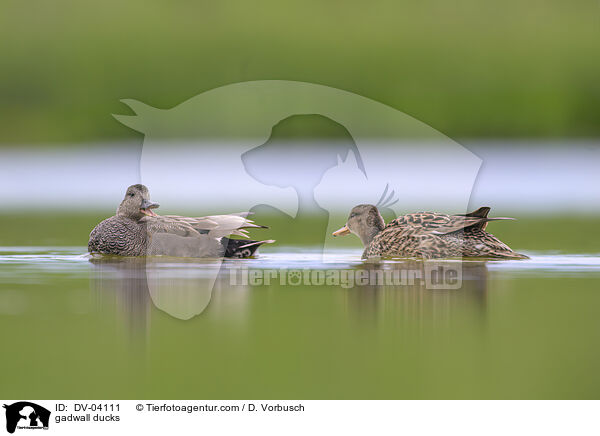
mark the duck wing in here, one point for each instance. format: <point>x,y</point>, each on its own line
<point>218,226</point>
<point>427,222</point>
<point>167,224</point>
<point>469,222</point>
<point>463,223</point>
<point>441,224</point>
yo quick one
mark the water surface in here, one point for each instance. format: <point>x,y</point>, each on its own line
<point>109,327</point>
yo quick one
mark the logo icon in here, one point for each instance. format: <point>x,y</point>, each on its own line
<point>26,415</point>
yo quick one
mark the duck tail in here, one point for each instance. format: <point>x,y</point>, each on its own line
<point>242,248</point>
<point>508,255</point>
<point>482,212</point>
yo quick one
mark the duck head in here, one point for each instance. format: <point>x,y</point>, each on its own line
<point>364,221</point>
<point>136,203</point>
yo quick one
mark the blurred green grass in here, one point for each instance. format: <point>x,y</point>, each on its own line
<point>562,234</point>
<point>467,68</point>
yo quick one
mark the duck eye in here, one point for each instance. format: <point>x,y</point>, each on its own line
<point>352,215</point>
<point>131,194</point>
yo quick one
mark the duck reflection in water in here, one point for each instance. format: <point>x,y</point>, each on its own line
<point>415,290</point>
<point>429,292</point>
<point>183,288</point>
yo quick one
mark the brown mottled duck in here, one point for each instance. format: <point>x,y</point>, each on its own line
<point>426,235</point>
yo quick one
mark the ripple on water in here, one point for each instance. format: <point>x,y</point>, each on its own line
<point>75,260</point>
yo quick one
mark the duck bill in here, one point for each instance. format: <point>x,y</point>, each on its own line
<point>147,207</point>
<point>342,232</point>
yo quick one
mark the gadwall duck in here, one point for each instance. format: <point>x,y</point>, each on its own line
<point>426,235</point>
<point>136,230</point>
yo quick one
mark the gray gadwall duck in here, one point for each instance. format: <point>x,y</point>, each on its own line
<point>426,235</point>
<point>136,230</point>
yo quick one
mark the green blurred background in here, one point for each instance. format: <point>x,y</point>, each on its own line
<point>468,68</point>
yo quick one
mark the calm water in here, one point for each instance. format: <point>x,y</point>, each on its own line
<point>85,327</point>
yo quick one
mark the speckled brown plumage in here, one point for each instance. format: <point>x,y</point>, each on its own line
<point>427,235</point>
<point>119,235</point>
